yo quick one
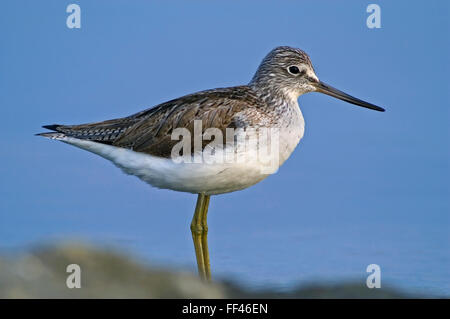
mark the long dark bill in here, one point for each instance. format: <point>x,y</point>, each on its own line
<point>329,90</point>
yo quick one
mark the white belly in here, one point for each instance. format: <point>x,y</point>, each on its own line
<point>215,177</point>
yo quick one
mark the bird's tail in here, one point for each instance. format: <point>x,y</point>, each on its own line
<point>52,135</point>
<point>103,132</point>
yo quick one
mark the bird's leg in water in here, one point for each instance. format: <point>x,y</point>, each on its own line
<point>198,236</point>
<point>205,239</point>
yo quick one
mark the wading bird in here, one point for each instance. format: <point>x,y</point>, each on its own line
<point>143,144</point>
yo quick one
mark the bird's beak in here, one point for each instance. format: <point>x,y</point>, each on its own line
<point>329,90</point>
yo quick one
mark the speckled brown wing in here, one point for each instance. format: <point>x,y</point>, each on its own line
<point>150,131</point>
<point>218,108</point>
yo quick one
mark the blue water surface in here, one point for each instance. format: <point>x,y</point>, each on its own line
<point>362,187</point>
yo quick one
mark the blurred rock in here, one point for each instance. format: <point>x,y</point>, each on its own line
<point>322,291</point>
<point>41,273</point>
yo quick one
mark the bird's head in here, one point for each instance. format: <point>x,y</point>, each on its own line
<point>289,71</point>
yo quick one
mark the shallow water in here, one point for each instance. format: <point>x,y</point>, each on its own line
<point>254,248</point>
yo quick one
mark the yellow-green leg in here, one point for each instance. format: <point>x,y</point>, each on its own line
<point>205,239</point>
<point>199,229</point>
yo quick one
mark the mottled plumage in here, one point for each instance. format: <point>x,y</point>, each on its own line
<point>150,131</point>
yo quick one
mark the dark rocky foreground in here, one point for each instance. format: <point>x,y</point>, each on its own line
<point>41,273</point>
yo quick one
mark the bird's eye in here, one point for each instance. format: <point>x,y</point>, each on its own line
<point>294,70</point>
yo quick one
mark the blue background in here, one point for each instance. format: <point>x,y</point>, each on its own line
<point>362,187</point>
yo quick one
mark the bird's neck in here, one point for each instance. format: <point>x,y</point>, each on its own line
<point>275,97</point>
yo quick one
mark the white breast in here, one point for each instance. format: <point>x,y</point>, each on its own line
<point>292,132</point>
